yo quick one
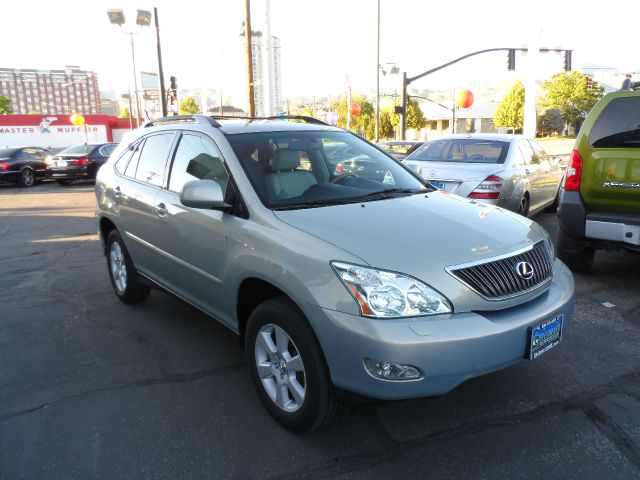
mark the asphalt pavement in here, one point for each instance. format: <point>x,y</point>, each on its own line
<point>92,388</point>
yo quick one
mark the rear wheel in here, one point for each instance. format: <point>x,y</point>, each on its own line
<point>27,178</point>
<point>123,275</point>
<point>574,253</point>
<point>287,367</point>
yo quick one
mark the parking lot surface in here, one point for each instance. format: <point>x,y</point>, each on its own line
<point>92,388</point>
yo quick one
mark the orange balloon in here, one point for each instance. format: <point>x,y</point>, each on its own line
<point>77,119</point>
<point>354,109</point>
<point>464,98</point>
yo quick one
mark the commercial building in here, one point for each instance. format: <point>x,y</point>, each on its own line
<point>51,92</point>
<point>267,83</point>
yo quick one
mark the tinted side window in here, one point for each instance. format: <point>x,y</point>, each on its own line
<point>618,126</point>
<point>133,162</point>
<point>107,150</point>
<point>153,159</point>
<point>197,158</point>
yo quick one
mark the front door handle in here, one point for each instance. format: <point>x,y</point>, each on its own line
<point>117,192</point>
<point>161,210</point>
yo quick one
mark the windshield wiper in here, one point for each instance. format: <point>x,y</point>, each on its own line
<point>391,192</point>
<point>314,203</point>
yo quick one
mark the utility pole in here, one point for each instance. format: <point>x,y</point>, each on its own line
<point>247,34</point>
<point>163,94</point>
<point>378,79</point>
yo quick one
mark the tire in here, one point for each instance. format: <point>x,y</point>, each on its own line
<point>123,276</point>
<point>294,387</point>
<point>65,183</point>
<point>576,255</point>
<point>27,178</point>
<point>523,208</point>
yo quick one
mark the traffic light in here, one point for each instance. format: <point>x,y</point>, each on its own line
<point>511,60</point>
<point>589,82</point>
<point>172,92</point>
<point>173,81</point>
<point>567,60</point>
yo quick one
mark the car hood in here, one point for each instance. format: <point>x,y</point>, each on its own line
<point>462,172</point>
<point>420,235</point>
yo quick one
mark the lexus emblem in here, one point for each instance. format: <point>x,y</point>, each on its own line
<point>524,270</point>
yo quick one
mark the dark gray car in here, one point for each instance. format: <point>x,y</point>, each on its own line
<point>384,287</point>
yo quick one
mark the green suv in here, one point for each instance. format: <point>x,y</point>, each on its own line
<point>600,200</point>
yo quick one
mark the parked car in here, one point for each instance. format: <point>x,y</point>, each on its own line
<point>23,165</point>
<point>79,162</point>
<point>509,171</point>
<point>390,290</point>
<point>400,149</point>
<point>600,199</point>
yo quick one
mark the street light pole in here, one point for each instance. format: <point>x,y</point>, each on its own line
<point>163,95</point>
<point>247,33</point>
<point>135,82</point>
<point>378,79</point>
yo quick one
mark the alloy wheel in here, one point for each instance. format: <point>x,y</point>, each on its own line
<point>28,178</point>
<point>280,368</point>
<point>118,267</point>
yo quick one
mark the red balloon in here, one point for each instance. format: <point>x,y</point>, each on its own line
<point>464,98</point>
<point>354,110</point>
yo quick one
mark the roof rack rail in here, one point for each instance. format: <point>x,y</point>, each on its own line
<point>304,118</point>
<point>202,119</point>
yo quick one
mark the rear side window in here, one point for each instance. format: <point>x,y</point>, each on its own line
<point>618,126</point>
<point>153,158</point>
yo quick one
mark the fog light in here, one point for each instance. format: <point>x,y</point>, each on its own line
<point>391,371</point>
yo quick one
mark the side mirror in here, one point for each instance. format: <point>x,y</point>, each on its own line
<point>203,194</point>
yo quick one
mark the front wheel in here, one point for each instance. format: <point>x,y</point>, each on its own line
<point>287,367</point>
<point>27,178</point>
<point>123,275</point>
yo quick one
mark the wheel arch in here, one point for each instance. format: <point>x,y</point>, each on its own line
<point>106,226</point>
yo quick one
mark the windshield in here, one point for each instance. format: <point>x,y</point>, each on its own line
<point>309,169</point>
<point>462,150</point>
<point>78,149</point>
<point>7,152</point>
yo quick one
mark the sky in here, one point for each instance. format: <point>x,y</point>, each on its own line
<point>323,42</point>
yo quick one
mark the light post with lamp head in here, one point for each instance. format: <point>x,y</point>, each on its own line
<point>143,19</point>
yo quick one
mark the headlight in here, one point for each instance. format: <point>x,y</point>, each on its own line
<point>383,294</point>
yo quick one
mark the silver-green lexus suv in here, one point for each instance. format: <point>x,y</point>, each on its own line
<point>339,268</point>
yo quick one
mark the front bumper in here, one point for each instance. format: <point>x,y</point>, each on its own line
<point>447,349</point>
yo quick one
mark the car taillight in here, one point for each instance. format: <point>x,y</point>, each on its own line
<point>339,168</point>
<point>4,166</point>
<point>574,172</point>
<point>489,188</point>
<point>79,162</point>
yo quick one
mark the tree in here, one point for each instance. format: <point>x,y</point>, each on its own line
<point>568,92</point>
<point>386,127</point>
<point>510,112</point>
<point>5,106</point>
<point>364,123</point>
<point>188,106</point>
<point>124,113</point>
<point>550,121</point>
<point>415,117</point>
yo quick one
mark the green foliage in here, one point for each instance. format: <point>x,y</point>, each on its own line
<point>550,122</point>
<point>124,113</point>
<point>567,92</point>
<point>415,117</point>
<point>188,106</point>
<point>5,106</point>
<point>510,112</point>
<point>385,127</point>
<point>364,123</point>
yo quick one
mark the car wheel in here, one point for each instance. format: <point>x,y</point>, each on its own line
<point>288,368</point>
<point>523,208</point>
<point>27,178</point>
<point>123,276</point>
<point>576,255</point>
<point>65,183</point>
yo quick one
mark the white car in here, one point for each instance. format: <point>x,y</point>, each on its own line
<point>510,171</point>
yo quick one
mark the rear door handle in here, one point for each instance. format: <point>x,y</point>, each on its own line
<point>161,210</point>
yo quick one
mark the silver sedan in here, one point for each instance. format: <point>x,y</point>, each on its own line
<point>510,171</point>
